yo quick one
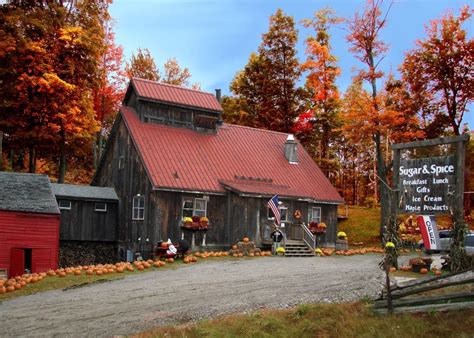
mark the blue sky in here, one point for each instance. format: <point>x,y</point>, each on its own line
<point>214,38</point>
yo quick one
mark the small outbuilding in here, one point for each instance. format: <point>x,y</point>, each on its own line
<point>29,224</point>
<point>89,224</point>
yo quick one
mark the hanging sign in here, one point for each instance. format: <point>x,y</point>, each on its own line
<point>429,232</point>
<point>426,185</point>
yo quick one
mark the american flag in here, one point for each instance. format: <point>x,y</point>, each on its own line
<point>273,204</point>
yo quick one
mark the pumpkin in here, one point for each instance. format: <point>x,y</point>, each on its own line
<point>130,268</point>
<point>140,268</point>
<point>89,272</point>
<point>146,265</point>
<point>423,271</point>
<point>77,272</point>
<point>245,240</point>
<point>17,286</point>
<point>119,269</point>
<point>99,272</point>
<point>2,282</point>
<point>10,288</point>
<point>170,260</point>
<point>23,283</point>
<point>438,273</point>
<point>241,254</point>
<point>3,290</point>
<point>393,269</point>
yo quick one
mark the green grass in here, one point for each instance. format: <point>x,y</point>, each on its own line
<point>326,320</point>
<point>363,225</point>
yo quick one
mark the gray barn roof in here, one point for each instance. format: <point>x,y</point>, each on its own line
<point>84,192</point>
<point>27,193</point>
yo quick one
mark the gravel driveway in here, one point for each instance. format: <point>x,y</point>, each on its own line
<point>192,292</point>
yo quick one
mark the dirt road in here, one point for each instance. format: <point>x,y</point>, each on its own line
<point>151,299</point>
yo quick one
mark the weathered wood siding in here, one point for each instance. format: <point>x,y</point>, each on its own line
<point>83,223</point>
<point>128,181</point>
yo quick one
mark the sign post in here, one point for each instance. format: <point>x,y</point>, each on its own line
<point>431,185</point>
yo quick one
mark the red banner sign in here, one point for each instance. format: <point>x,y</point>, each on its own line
<point>429,232</point>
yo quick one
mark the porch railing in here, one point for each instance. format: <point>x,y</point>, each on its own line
<point>308,237</point>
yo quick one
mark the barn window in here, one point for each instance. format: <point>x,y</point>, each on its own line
<point>283,213</point>
<point>188,207</point>
<point>64,205</point>
<point>138,213</point>
<point>194,207</point>
<point>200,207</point>
<point>101,207</point>
<point>314,215</point>
<point>121,162</point>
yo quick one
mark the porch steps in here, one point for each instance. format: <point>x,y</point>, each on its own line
<point>297,249</point>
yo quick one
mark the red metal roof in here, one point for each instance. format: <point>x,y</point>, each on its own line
<point>175,95</point>
<point>243,159</point>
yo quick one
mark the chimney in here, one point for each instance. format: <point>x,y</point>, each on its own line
<point>291,149</point>
<point>218,95</point>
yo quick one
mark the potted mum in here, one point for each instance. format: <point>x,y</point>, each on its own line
<point>203,223</point>
<point>187,223</point>
<point>280,251</point>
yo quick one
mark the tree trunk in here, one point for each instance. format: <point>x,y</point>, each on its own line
<point>32,160</point>
<point>62,161</point>
<point>1,150</point>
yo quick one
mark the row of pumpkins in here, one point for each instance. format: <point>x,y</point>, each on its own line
<point>322,252</point>
<point>18,282</point>
<point>423,271</point>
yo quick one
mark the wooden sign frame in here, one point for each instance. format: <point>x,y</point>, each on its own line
<point>459,160</point>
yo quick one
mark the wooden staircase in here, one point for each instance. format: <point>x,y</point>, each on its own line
<point>295,248</point>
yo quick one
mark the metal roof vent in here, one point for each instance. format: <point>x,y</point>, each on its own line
<point>291,149</point>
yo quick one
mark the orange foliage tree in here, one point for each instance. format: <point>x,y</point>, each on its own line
<point>442,67</point>
<point>322,70</point>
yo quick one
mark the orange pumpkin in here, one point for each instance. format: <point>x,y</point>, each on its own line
<point>2,282</point>
<point>3,290</point>
<point>438,273</point>
<point>423,271</point>
<point>17,286</point>
<point>10,288</point>
<point>393,269</point>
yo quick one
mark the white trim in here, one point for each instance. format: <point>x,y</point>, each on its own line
<point>63,207</point>
<point>100,210</point>
<point>136,207</point>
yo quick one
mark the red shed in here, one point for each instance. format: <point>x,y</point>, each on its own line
<point>29,224</point>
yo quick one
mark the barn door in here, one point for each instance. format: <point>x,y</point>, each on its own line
<point>17,262</point>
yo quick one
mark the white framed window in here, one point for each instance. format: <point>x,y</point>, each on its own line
<point>314,215</point>
<point>283,213</point>
<point>121,162</point>
<point>138,212</point>
<point>188,207</point>
<point>101,207</point>
<point>64,205</point>
<point>194,207</point>
<point>200,207</point>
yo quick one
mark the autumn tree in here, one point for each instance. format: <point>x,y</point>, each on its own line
<point>52,58</point>
<point>174,74</point>
<point>142,66</point>
<point>322,70</point>
<point>268,83</point>
<point>442,65</point>
<point>109,94</point>
<point>364,39</point>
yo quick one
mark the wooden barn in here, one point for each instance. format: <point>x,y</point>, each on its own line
<point>170,156</point>
<point>29,224</point>
<point>89,224</point>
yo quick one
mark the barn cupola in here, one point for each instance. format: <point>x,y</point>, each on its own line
<point>161,103</point>
<point>291,149</point>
